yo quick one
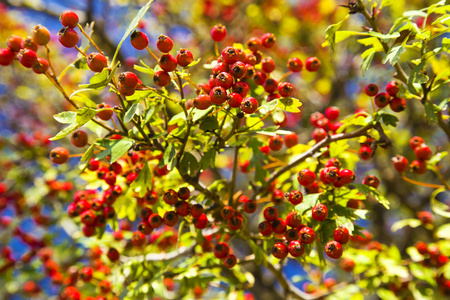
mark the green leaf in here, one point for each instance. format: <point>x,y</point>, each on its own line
<point>290,104</point>
<point>338,147</point>
<point>135,109</point>
<point>209,124</point>
<point>268,106</point>
<point>85,100</point>
<point>423,273</point>
<point>208,159</point>
<point>413,223</point>
<point>258,252</point>
<point>308,202</point>
<point>98,81</point>
<point>368,190</point>
<point>438,207</point>
<point>168,157</point>
<point>198,113</point>
<point>193,63</point>
<point>431,110</point>
<point>330,34</point>
<point>437,158</point>
<point>393,55</point>
<point>384,37</point>
<point>189,164</point>
<point>416,77</point>
<point>145,69</point>
<point>143,181</point>
<point>177,118</point>
<point>84,115</point>
<point>367,61</point>
<point>66,131</point>
<point>89,153</point>
<point>115,148</point>
<point>388,119</point>
<point>131,27</point>
<point>443,232</point>
<point>66,117</point>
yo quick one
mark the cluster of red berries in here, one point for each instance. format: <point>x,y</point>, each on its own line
<point>423,154</point>
<point>390,98</point>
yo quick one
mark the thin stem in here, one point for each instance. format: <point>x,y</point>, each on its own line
<point>284,76</point>
<point>90,39</point>
<point>233,175</point>
<point>430,185</point>
<point>81,51</point>
<point>152,54</point>
<point>49,60</point>
<point>441,178</point>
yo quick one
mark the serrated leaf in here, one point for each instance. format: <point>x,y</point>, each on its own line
<point>115,148</point>
<point>134,23</point>
<point>65,132</point>
<point>367,61</point>
<point>384,37</point>
<point>209,123</point>
<point>177,118</point>
<point>416,77</point>
<point>413,223</point>
<point>431,110</point>
<point>84,115</point>
<point>85,100</point>
<point>368,190</point>
<point>208,159</point>
<point>135,109</point>
<point>389,119</point>
<point>143,181</point>
<point>330,34</point>
<point>268,106</point>
<point>308,202</point>
<point>66,117</point>
<point>168,157</point>
<point>393,55</point>
<point>97,81</point>
<point>189,164</point>
<point>289,104</point>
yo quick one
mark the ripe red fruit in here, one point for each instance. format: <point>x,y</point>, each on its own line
<point>14,43</point>
<point>167,62</point>
<point>128,79</point>
<point>267,64</point>
<point>145,213</point>
<point>41,66</point>
<point>400,163</point>
<point>392,88</point>
<point>291,140</point>
<point>69,19</point>
<point>218,95</point>
<point>312,64</point>
<point>97,62</point>
<point>415,141</point>
<point>285,89</point>
<point>221,250</point>
<point>196,210</point>
<point>315,118</point>
<point>332,113</point>
<point>28,43</point>
<point>170,218</point>
<point>418,167</point>
<point>319,134</point>
<point>227,212</point>
<point>295,197</point>
<point>241,88</point>
<point>40,35</point>
<point>270,214</point>
<point>238,69</point>
<point>230,55</point>
<point>218,32</point>
<point>259,78</point>
<point>425,217</point>
<point>171,197</point>
<point>306,177</point>
<point>276,142</point>
<point>86,274</point>
<point>106,114</point>
<point>182,208</point>
<point>59,155</point>
<point>161,78</point>
<point>341,234</point>
<point>155,220</point>
<point>279,250</point>
<point>113,254</point>
<point>421,247</point>
<point>79,138</point>
<point>270,85</point>
<point>268,40</point>
<point>164,43</point>
<point>224,79</point>
<point>249,105</point>
<point>319,212</point>
<point>347,264</point>
<point>295,64</point>
<point>365,153</point>
<point>254,44</point>
<point>372,181</point>
<point>184,193</point>
<point>27,58</point>
<point>346,176</point>
<point>6,56</point>
<point>68,37</point>
<point>265,228</point>
<point>139,40</point>
<point>382,100</point>
<point>423,152</point>
<point>371,89</point>
<point>398,104</point>
<point>137,239</point>
<point>87,217</point>
<point>250,206</point>
<point>202,102</point>
<point>296,248</point>
<point>184,57</point>
<point>293,219</point>
<point>307,235</point>
<point>279,226</point>
<point>201,222</point>
<point>333,249</point>
<point>230,261</point>
<point>234,100</point>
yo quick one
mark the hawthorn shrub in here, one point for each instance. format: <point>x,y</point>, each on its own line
<point>188,175</point>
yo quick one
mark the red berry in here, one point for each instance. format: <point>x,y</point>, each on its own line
<point>315,118</point>
<point>250,206</point>
<point>296,248</point>
<point>332,113</point>
<point>270,214</point>
<point>319,212</point>
<point>400,163</point>
<point>418,166</point>
<point>365,153</point>
<point>268,40</point>
<point>155,220</point>
<point>295,197</point>
<point>14,43</point>
<point>425,217</point>
<point>201,222</point>
<point>184,193</point>
<point>110,178</point>
<point>285,89</point>
<point>145,213</point>
<point>6,56</point>
<point>221,250</point>
<point>382,100</point>
<point>230,261</point>
<point>97,62</point>
<point>139,40</point>
<point>86,274</point>
<point>293,219</point>
<point>421,247</point>
<point>276,143</point>
<point>241,88</point>
<point>227,212</point>
<point>59,155</point>
<point>219,68</point>
<point>184,57</point>
<point>398,104</point>
<point>371,89</point>
<point>230,55</point>
<point>79,138</point>
<point>167,62</point>
<point>196,210</point>
<point>27,58</point>
<point>270,85</point>
<point>415,141</point>
<point>238,69</point>
<point>392,88</point>
<point>128,79</point>
<point>202,102</point>
<point>105,114</point>
<point>341,235</point>
<point>68,37</point>
<point>170,218</point>
<point>218,95</point>
<point>234,100</point>
<point>307,235</point>
<point>161,78</point>
<point>259,78</point>
<point>268,65</point>
<point>249,105</point>
<point>295,64</point>
<point>28,43</point>
<point>306,177</point>
<point>69,19</point>
<point>347,264</point>
<point>171,197</point>
<point>164,43</point>
<point>218,32</point>
<point>41,66</point>
<point>422,152</point>
<point>319,134</point>
<point>333,249</point>
<point>113,254</point>
<point>265,228</point>
<point>182,208</point>
<point>291,140</point>
<point>372,181</point>
<point>137,239</point>
<point>331,174</point>
<point>254,44</point>
<point>279,226</point>
<point>346,176</point>
<point>279,250</point>
<point>40,35</point>
<point>312,64</point>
